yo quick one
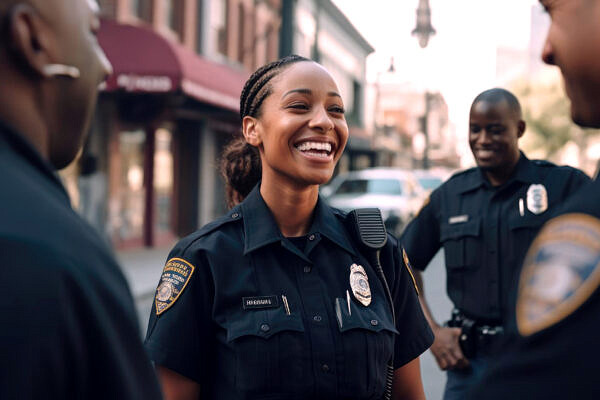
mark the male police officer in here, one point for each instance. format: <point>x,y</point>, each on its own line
<point>68,325</point>
<point>485,218</point>
<point>558,301</point>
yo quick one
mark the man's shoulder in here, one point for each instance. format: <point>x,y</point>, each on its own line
<point>461,179</point>
<point>549,167</point>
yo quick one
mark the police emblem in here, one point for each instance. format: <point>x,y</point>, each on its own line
<point>537,199</point>
<point>359,283</point>
<point>561,271</point>
<point>175,277</point>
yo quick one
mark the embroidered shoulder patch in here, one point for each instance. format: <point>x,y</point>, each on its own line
<point>409,268</point>
<point>174,279</point>
<point>561,271</point>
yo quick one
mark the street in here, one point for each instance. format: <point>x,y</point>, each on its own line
<point>142,269</point>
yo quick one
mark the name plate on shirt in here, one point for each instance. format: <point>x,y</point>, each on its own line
<point>249,303</point>
<point>457,219</point>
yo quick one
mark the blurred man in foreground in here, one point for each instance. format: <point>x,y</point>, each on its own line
<point>69,329</point>
<point>558,301</point>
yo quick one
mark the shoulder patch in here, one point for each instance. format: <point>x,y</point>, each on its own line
<point>561,271</point>
<point>175,277</point>
<point>409,268</point>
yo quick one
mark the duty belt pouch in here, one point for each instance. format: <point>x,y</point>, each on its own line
<point>468,338</point>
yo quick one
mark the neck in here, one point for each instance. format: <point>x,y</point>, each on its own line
<point>499,176</point>
<point>18,108</point>
<point>291,205</point>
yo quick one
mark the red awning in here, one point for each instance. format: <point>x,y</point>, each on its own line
<point>145,61</point>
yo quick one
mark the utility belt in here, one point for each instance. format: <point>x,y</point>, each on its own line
<point>477,338</point>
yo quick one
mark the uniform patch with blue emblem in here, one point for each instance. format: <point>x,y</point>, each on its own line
<point>561,271</point>
<point>174,279</point>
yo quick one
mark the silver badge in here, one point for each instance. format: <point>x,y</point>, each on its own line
<point>359,283</point>
<point>537,199</point>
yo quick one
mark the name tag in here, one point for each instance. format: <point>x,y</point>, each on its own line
<point>457,219</point>
<point>249,303</point>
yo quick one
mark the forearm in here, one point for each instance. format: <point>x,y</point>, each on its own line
<point>407,383</point>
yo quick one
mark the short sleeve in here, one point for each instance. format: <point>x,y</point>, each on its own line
<point>180,327</point>
<point>415,335</point>
<point>420,239</point>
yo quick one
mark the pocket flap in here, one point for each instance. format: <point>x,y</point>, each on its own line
<point>527,221</point>
<point>361,318</point>
<point>455,231</point>
<point>264,323</point>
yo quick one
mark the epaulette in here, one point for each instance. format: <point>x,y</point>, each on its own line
<point>543,163</point>
<point>234,214</point>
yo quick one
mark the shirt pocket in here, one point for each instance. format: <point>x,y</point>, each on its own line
<point>368,336</point>
<point>523,230</point>
<point>270,351</point>
<point>462,244</point>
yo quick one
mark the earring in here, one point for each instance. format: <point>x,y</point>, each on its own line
<point>53,70</point>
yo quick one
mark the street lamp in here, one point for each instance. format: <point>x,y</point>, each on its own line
<point>423,29</point>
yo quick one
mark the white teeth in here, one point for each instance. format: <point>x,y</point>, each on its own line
<point>306,146</point>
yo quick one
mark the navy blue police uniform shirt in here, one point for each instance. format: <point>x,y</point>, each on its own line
<point>69,328</point>
<point>247,314</point>
<point>557,313</point>
<point>485,231</point>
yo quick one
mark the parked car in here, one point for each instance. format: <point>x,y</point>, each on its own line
<point>430,179</point>
<point>394,191</point>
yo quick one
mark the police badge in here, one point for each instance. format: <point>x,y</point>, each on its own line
<point>537,199</point>
<point>359,283</point>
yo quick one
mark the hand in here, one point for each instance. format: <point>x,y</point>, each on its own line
<point>446,349</point>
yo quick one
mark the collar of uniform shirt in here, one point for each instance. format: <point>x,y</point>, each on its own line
<point>523,173</point>
<point>260,228</point>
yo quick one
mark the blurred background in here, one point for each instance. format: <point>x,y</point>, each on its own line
<point>408,71</point>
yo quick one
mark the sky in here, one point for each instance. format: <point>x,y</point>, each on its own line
<point>460,60</point>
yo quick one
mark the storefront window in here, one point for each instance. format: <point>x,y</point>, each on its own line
<point>128,203</point>
<point>163,183</point>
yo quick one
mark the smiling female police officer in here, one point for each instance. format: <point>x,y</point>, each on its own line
<point>260,303</point>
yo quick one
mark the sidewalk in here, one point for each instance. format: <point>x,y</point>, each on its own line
<point>142,268</point>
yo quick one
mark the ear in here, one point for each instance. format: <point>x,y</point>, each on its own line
<point>28,38</point>
<point>521,128</point>
<point>251,131</point>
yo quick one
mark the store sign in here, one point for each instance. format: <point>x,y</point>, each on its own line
<point>137,83</point>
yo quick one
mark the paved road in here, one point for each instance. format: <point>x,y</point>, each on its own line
<point>143,268</point>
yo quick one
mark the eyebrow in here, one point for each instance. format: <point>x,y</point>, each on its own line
<point>308,91</point>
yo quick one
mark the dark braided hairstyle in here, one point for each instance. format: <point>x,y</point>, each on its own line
<point>240,162</point>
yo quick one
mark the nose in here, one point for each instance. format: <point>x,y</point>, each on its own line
<point>548,53</point>
<point>321,120</point>
<point>484,137</point>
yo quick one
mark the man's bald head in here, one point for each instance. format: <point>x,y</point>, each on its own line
<point>497,95</point>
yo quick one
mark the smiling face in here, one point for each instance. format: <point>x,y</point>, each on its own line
<point>301,130</point>
<point>573,44</point>
<point>494,131</point>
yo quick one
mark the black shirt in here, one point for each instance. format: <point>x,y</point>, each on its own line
<point>556,354</point>
<point>222,319</point>
<point>486,230</point>
<point>69,329</point>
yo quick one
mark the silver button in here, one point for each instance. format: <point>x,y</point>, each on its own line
<point>265,328</point>
<point>374,322</point>
<point>307,268</point>
<point>311,237</point>
<point>325,368</point>
<point>235,215</point>
<point>317,318</point>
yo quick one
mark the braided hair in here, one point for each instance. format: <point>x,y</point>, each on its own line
<point>240,162</point>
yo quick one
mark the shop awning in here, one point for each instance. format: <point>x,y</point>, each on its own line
<point>145,61</point>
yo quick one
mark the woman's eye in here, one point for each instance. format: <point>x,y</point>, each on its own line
<point>337,109</point>
<point>298,106</point>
